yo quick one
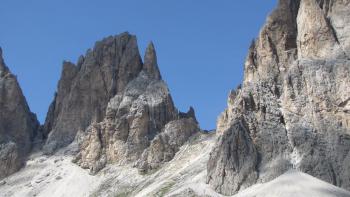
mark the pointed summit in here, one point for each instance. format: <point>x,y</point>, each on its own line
<point>150,64</point>
<point>119,56</point>
<point>3,68</point>
<point>2,65</point>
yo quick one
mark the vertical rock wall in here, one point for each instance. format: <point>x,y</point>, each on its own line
<point>292,110</point>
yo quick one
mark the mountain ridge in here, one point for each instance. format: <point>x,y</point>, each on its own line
<point>113,115</point>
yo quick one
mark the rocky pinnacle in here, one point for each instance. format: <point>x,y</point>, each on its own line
<point>150,62</point>
<point>117,108</point>
<point>85,88</point>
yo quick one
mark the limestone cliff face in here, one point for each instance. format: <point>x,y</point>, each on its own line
<point>18,126</point>
<point>85,89</point>
<point>117,107</point>
<point>141,125</point>
<point>293,109</point>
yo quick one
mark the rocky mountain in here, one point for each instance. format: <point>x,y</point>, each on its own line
<point>85,89</point>
<point>292,110</point>
<point>18,125</point>
<point>285,132</point>
<point>118,107</point>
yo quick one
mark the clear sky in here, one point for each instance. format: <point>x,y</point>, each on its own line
<point>201,44</point>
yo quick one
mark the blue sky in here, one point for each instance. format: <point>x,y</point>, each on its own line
<point>201,44</point>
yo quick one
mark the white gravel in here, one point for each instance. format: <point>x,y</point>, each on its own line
<point>185,175</point>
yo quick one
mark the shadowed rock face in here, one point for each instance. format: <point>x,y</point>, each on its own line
<point>292,110</point>
<point>85,89</point>
<point>18,126</point>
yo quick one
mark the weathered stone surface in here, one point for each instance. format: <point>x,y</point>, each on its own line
<point>292,110</point>
<point>150,62</point>
<point>137,120</point>
<point>166,144</point>
<point>238,154</point>
<point>85,89</point>
<point>18,126</point>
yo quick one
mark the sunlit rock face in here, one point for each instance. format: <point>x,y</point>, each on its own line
<point>141,125</point>
<point>118,109</point>
<point>18,126</point>
<point>140,122</point>
<point>292,109</point>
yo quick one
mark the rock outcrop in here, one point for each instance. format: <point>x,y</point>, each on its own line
<point>166,144</point>
<point>118,109</point>
<point>18,126</point>
<point>85,89</point>
<point>293,109</point>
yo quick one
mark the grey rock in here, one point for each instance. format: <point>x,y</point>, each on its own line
<point>18,126</point>
<point>150,62</point>
<point>2,183</point>
<point>137,120</point>
<point>166,144</point>
<point>238,154</point>
<point>58,177</point>
<point>293,105</point>
<point>85,89</point>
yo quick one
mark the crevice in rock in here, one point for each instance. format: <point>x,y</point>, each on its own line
<point>282,120</point>
<point>249,103</point>
<point>331,28</point>
<point>252,54</point>
<point>325,5</point>
<point>291,42</point>
<point>274,49</point>
<point>344,103</point>
<point>103,80</point>
<point>334,176</point>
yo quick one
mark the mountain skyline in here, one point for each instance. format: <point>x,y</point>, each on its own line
<point>193,68</point>
<point>115,128</point>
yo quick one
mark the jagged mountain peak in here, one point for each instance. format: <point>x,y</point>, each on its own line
<point>112,113</point>
<point>118,107</point>
<point>142,118</point>
<point>3,67</point>
<point>85,90</point>
<point>150,62</point>
<point>1,53</point>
